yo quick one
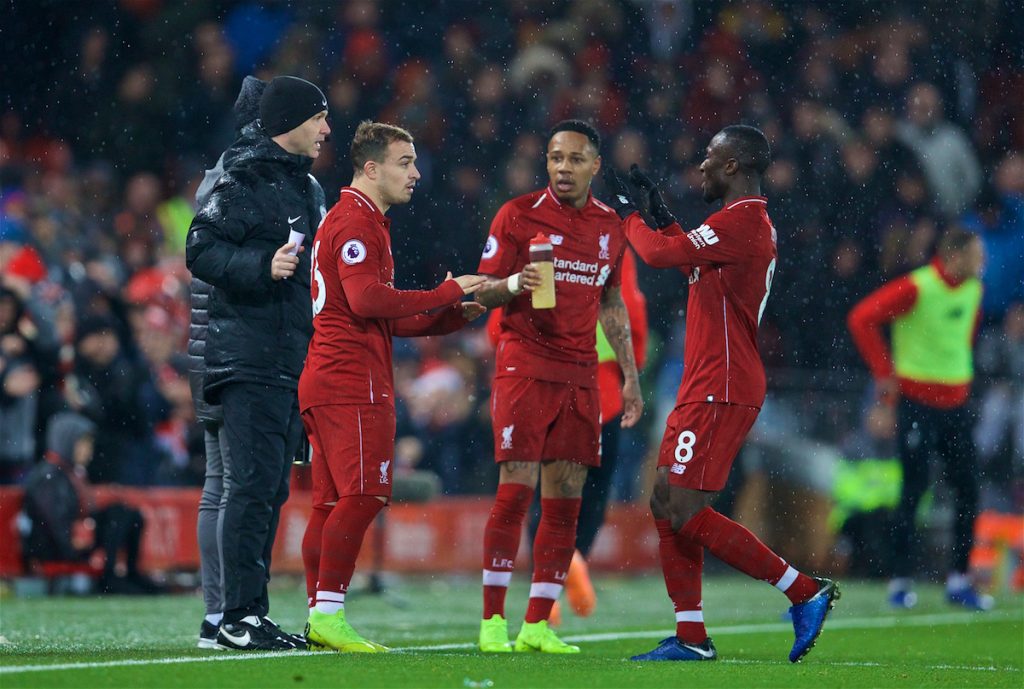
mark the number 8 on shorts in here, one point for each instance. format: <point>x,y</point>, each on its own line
<point>684,446</point>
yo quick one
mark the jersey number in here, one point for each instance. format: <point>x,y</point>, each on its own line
<point>318,278</point>
<point>684,446</point>
<point>769,274</point>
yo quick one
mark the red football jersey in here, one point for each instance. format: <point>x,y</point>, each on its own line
<point>349,356</point>
<point>731,261</point>
<point>556,344</point>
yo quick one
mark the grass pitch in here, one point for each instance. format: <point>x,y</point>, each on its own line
<point>432,624</point>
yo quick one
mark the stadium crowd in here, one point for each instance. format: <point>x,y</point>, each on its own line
<point>887,125</point>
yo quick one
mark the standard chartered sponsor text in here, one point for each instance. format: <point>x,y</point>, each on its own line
<point>577,265</point>
<point>578,272</point>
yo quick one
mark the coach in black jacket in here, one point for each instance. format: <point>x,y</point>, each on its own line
<point>260,322</point>
<point>247,110</point>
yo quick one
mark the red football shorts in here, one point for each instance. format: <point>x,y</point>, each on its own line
<point>536,419</point>
<point>701,441</point>
<point>353,448</point>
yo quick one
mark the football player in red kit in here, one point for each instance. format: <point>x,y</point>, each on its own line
<point>545,407</point>
<point>346,392</point>
<point>730,260</point>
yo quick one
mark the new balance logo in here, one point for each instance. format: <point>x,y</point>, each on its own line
<point>506,437</point>
<point>678,468</point>
<point>557,239</point>
<point>703,236</point>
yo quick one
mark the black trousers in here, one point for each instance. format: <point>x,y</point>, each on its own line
<point>925,431</point>
<point>263,429</point>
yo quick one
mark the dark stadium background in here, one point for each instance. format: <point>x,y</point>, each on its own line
<point>110,112</point>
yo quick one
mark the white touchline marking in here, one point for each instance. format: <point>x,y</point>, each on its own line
<point>770,627</point>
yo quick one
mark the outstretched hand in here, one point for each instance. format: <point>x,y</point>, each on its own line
<point>620,196</point>
<point>471,310</point>
<point>468,283</point>
<point>655,203</point>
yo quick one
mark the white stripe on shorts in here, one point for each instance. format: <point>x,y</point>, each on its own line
<point>359,423</point>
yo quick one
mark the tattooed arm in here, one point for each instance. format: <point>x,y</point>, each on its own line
<point>497,292</point>
<point>615,322</point>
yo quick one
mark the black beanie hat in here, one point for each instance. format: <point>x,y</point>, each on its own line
<point>287,102</point>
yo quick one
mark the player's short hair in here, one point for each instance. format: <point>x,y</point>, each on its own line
<point>371,142</point>
<point>580,127</point>
<point>954,240</point>
<point>750,147</point>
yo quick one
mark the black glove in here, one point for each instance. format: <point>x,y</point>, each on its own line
<point>620,196</point>
<point>658,209</point>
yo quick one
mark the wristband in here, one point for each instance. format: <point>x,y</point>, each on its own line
<point>513,284</point>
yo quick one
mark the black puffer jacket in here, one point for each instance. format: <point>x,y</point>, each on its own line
<point>247,109</point>
<point>259,328</point>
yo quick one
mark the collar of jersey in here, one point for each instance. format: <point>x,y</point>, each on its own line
<point>551,193</point>
<point>369,202</point>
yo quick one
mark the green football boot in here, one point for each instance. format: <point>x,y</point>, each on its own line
<point>494,635</point>
<point>333,633</point>
<point>538,637</point>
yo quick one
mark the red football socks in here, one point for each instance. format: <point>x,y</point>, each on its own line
<point>342,538</point>
<point>311,542</point>
<point>736,546</point>
<point>553,547</point>
<point>682,564</point>
<point>501,543</point>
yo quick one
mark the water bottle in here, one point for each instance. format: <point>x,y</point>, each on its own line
<point>542,255</point>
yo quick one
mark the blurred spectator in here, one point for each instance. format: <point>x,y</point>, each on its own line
<point>853,217</point>
<point>999,434</point>
<point>88,87</point>
<point>999,219</point>
<point>878,126</point>
<point>120,397</point>
<point>20,383</point>
<point>202,117</point>
<point>440,404</point>
<point>946,155</point>
<point>669,23</point>
<point>137,114</point>
<point>253,29</point>
<point>18,259</point>
<point>58,498</point>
